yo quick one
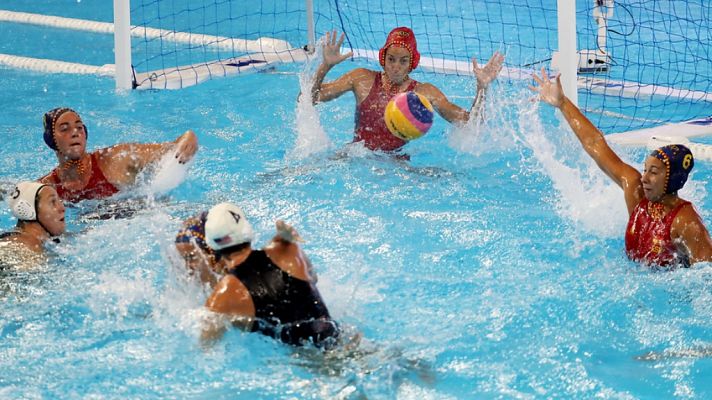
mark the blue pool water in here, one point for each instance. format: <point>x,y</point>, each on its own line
<point>489,266</point>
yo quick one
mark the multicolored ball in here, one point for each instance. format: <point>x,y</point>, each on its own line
<point>408,115</point>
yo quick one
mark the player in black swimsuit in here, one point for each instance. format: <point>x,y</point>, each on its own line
<point>271,291</point>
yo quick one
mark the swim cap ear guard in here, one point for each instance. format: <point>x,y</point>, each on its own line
<point>195,233</point>
<point>678,161</point>
<point>226,226</point>
<point>49,119</point>
<point>23,200</point>
<point>401,37</point>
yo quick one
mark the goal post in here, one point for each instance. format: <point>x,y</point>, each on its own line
<point>629,64</point>
<point>122,45</point>
<point>567,52</point>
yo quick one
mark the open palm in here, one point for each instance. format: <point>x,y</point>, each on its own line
<point>549,91</point>
<point>331,49</point>
<point>489,72</point>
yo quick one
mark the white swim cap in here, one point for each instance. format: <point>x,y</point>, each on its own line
<point>23,200</point>
<point>226,226</point>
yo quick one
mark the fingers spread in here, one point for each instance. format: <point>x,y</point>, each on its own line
<point>537,79</point>
<point>544,75</point>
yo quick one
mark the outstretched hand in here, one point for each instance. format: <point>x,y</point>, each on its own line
<point>287,232</point>
<point>549,91</point>
<point>331,49</point>
<point>186,146</point>
<point>489,72</point>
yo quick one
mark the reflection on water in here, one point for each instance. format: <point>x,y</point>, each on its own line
<point>695,352</point>
<point>21,277</point>
<point>490,268</point>
<point>358,360</point>
<point>16,256</point>
<point>109,209</point>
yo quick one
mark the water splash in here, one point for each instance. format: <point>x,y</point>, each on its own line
<point>493,133</point>
<point>311,137</point>
<point>168,175</point>
<point>585,194</point>
<point>511,121</point>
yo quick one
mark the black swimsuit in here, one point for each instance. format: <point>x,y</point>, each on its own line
<point>286,308</point>
<point>8,234</point>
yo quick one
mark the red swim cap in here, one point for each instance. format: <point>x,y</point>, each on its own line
<point>401,37</point>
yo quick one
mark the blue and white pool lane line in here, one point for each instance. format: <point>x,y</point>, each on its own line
<point>265,52</point>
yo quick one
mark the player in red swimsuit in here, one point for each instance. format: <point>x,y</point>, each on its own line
<point>102,173</point>
<point>663,229</point>
<point>398,57</point>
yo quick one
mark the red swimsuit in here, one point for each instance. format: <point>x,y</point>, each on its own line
<point>98,186</point>
<point>371,128</point>
<point>647,237</point>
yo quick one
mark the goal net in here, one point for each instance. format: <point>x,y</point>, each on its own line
<point>641,62</point>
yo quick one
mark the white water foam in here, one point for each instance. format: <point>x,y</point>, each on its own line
<point>493,133</point>
<point>586,195</point>
<point>168,175</point>
<point>311,137</point>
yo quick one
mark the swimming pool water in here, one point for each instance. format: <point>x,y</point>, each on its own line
<point>491,265</point>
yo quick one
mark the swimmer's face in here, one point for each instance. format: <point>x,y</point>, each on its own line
<point>70,136</point>
<point>653,179</point>
<point>51,211</point>
<point>397,64</point>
